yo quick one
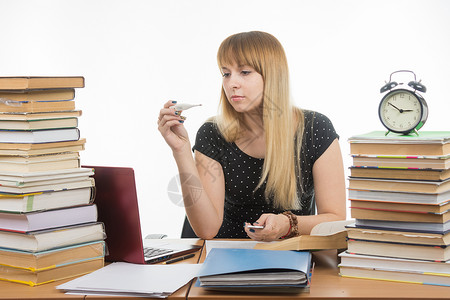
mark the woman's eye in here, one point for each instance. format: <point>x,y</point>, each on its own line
<point>225,74</point>
<point>245,72</point>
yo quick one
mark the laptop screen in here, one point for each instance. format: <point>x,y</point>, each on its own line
<point>118,209</point>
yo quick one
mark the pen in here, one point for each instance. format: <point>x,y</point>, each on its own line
<point>178,259</point>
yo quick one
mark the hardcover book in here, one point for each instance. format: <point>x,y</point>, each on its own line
<point>26,222</point>
<point>403,216</point>
<point>46,239</point>
<point>401,207</point>
<point>34,278</point>
<point>406,174</point>
<point>403,162</point>
<point>39,136</point>
<point>49,185</point>
<point>48,200</point>
<point>38,124</point>
<point>378,143</point>
<point>41,82</point>
<point>399,250</point>
<point>37,261</point>
<point>37,106</point>
<point>392,263</point>
<point>403,197</point>
<point>326,235</point>
<point>38,95</point>
<point>59,164</point>
<point>27,116</point>
<point>398,236</point>
<point>409,186</point>
<point>395,275</point>
<point>24,149</point>
<point>407,226</point>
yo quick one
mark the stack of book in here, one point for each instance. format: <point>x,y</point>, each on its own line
<point>48,222</point>
<point>399,190</point>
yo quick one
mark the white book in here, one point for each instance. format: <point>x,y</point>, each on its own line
<point>26,222</point>
<point>401,197</point>
<point>411,226</point>
<point>392,263</point>
<point>50,185</point>
<point>39,136</point>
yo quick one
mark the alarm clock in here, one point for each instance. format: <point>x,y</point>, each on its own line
<point>402,109</point>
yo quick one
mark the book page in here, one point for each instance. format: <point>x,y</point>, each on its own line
<point>330,228</point>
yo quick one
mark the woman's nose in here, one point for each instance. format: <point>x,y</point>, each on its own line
<point>234,82</point>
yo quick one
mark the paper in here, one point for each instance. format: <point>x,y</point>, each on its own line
<point>134,280</point>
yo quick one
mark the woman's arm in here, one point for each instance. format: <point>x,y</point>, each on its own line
<point>202,180</point>
<point>203,188</point>
<point>329,186</point>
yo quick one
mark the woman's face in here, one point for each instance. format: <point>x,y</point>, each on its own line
<point>243,87</point>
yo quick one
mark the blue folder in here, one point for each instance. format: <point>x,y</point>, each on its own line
<point>222,261</point>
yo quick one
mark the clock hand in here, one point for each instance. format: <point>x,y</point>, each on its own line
<point>407,109</point>
<point>400,110</point>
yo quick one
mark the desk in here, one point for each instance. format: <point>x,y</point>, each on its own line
<point>9,290</point>
<point>181,293</point>
<point>325,284</point>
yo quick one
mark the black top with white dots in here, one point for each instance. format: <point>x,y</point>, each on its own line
<point>242,173</point>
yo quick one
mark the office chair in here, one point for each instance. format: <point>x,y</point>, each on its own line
<point>187,231</point>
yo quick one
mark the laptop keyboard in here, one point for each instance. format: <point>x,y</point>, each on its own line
<point>151,252</point>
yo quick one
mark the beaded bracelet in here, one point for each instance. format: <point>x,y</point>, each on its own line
<point>293,225</point>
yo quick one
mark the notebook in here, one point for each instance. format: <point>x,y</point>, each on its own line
<point>117,204</point>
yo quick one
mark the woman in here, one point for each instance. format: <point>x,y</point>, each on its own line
<point>261,161</point>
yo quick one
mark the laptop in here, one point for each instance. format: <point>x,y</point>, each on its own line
<point>117,205</point>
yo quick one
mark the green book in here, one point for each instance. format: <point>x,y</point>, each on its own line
<point>422,137</point>
<point>426,143</point>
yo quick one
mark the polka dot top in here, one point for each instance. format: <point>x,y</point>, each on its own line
<point>242,173</point>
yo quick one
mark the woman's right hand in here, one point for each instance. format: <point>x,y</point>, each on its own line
<point>170,125</point>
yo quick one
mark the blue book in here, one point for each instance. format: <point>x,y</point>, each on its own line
<point>255,270</point>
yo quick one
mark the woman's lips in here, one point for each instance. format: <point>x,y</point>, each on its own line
<point>237,98</point>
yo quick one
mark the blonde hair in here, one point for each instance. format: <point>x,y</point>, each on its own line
<point>283,123</point>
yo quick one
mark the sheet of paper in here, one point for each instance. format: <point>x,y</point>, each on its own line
<point>127,278</point>
<point>209,244</point>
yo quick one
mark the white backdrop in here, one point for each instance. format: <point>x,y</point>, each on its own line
<point>136,54</point>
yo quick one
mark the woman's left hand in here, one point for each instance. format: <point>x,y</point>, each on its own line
<point>275,226</point>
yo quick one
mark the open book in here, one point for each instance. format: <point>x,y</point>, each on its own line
<point>327,235</point>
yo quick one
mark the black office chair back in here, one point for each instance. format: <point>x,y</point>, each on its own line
<point>187,231</point>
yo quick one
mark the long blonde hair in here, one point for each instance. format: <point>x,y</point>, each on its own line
<point>283,123</point>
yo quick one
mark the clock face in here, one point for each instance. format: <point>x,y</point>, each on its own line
<point>400,111</point>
